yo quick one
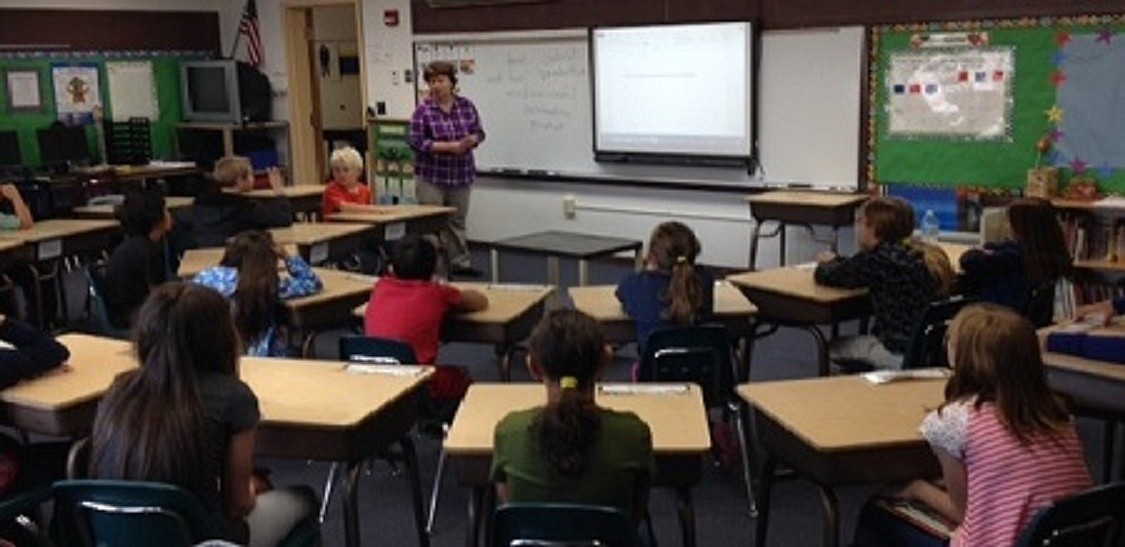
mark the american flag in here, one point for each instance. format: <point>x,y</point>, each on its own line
<point>248,26</point>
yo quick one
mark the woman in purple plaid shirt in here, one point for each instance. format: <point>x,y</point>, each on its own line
<point>444,130</point>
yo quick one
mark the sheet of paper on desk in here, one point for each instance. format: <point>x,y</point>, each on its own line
<point>644,389</point>
<point>389,370</point>
<point>364,278</point>
<point>515,287</point>
<point>887,376</point>
<point>806,266</point>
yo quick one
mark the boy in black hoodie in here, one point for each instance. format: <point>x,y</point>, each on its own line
<point>221,211</point>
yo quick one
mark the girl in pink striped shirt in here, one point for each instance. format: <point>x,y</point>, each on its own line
<point>1006,443</point>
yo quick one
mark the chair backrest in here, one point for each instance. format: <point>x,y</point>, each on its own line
<point>927,345</point>
<point>372,349</point>
<point>95,280</point>
<point>1090,519</point>
<point>562,525</point>
<point>130,513</point>
<point>1041,305</point>
<point>699,353</point>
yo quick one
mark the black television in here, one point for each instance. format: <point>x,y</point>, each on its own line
<point>224,90</point>
<point>63,146</point>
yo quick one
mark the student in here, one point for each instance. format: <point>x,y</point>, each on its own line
<point>1033,256</point>
<point>14,213</point>
<point>1006,444</point>
<point>408,305</point>
<point>220,213</point>
<point>345,190</point>
<point>896,274</point>
<point>671,290</point>
<point>248,276</point>
<point>185,418</point>
<point>571,450</point>
<point>138,263</point>
<point>29,352</point>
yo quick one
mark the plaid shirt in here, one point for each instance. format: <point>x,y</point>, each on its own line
<point>430,125</point>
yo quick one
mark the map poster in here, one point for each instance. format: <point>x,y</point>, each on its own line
<point>958,94</point>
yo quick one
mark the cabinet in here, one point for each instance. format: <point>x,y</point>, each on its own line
<point>205,142</point>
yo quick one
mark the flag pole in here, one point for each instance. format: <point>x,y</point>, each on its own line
<point>237,32</point>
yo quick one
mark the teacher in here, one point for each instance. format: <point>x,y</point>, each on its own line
<point>444,130</point>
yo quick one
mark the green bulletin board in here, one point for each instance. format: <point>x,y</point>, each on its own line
<point>166,73</point>
<point>1060,66</point>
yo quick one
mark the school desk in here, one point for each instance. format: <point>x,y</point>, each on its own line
<point>318,410</point>
<point>392,222</point>
<point>310,409</point>
<point>791,297</point>
<point>322,242</point>
<point>803,208</point>
<point>839,431</point>
<point>678,422</point>
<point>51,240</point>
<point>558,244</point>
<point>331,307</point>
<point>105,212</point>
<point>63,402</point>
<point>305,199</point>
<point>197,260</point>
<point>513,311</point>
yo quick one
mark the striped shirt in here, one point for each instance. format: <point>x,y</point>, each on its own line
<point>430,125</point>
<point>1009,482</point>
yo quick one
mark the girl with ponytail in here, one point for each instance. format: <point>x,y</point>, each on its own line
<point>671,290</point>
<point>571,450</point>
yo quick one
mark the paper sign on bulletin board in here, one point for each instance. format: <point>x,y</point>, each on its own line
<point>77,92</point>
<point>132,90</point>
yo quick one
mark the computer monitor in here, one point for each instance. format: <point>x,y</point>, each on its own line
<point>61,146</point>
<point>10,149</point>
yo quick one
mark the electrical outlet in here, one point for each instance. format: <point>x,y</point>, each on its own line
<point>570,206</point>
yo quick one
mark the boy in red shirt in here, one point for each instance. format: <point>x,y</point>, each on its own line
<point>345,189</point>
<point>409,306</point>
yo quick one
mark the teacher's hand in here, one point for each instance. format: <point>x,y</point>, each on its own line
<point>470,141</point>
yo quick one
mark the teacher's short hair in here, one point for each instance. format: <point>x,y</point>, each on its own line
<point>440,68</point>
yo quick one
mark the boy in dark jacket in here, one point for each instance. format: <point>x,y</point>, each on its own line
<point>221,212</point>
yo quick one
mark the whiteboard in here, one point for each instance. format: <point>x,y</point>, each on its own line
<point>533,93</point>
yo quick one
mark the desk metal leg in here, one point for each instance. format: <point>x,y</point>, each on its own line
<point>553,280</point>
<point>504,356</point>
<point>831,516</point>
<point>686,509</point>
<point>754,244</point>
<point>781,244</point>
<point>583,272</point>
<point>766,484</point>
<point>494,264</point>
<point>411,458</point>
<point>476,505</point>
<point>822,350</point>
<point>351,505</point>
<point>638,260</point>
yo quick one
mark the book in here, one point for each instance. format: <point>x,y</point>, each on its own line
<point>920,516</point>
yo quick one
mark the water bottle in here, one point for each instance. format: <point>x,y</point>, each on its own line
<point>930,227</point>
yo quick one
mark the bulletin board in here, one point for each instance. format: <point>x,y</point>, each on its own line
<point>980,103</point>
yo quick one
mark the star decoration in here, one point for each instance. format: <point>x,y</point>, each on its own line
<point>1062,38</point>
<point>1105,35</point>
<point>1057,78</point>
<point>1055,114</point>
<point>1059,58</point>
<point>1105,170</point>
<point>1078,166</point>
<point>1056,135</point>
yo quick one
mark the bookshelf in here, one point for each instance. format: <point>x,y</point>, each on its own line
<point>1094,232</point>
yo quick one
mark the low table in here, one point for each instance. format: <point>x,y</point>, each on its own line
<point>555,244</point>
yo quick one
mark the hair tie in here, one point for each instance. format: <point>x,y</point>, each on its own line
<point>681,259</point>
<point>568,382</point>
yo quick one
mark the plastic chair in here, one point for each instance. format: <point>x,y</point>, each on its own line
<point>700,354</point>
<point>927,345</point>
<point>130,513</point>
<point>1090,519</point>
<point>562,525</point>
<point>372,349</point>
<point>99,314</point>
<point>24,510</point>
